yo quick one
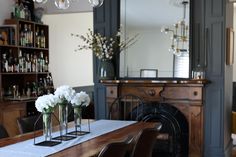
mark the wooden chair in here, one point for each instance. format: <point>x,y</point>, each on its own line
<point>116,149</point>
<point>3,132</point>
<point>145,142</point>
<point>26,124</point>
<point>126,107</point>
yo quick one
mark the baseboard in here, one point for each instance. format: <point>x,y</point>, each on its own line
<point>218,151</point>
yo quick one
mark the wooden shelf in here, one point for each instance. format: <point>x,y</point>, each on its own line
<point>24,47</point>
<point>34,48</point>
<point>24,73</point>
<point>14,21</point>
<point>9,46</point>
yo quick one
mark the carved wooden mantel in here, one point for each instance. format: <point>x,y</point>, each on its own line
<point>185,95</point>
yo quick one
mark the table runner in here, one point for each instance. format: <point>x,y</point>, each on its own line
<point>28,149</point>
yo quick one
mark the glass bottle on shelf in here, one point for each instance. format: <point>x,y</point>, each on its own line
<point>17,10</point>
<point>40,87</point>
<point>49,82</point>
<point>42,39</point>
<point>26,35</point>
<point>20,60</point>
<point>27,89</point>
<point>28,63</point>
<point>22,36</point>
<point>42,62</point>
<point>16,65</point>
<point>27,13</point>
<point>10,61</point>
<point>30,36</point>
<point>22,11</point>
<point>4,63</point>
<point>46,64</point>
<point>34,64</point>
<point>24,63</point>
<point>38,64</point>
<point>37,38</point>
<point>34,89</point>
<point>13,13</point>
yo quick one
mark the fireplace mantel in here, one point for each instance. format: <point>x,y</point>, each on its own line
<point>185,95</point>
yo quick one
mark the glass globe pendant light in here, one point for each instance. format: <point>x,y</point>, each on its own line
<point>40,1</point>
<point>62,4</point>
<point>96,3</point>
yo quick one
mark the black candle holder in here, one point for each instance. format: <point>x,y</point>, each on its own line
<point>80,132</point>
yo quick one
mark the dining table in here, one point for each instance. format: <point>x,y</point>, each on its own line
<point>101,133</point>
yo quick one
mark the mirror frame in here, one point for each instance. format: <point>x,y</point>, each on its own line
<point>162,78</point>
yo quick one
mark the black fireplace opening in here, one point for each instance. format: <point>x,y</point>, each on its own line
<point>174,134</point>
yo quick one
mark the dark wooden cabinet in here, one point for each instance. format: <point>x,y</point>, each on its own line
<point>26,83</point>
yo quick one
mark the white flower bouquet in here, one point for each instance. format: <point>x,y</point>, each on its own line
<point>80,99</point>
<point>65,94</point>
<point>46,103</point>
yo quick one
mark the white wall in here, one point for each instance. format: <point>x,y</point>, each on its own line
<point>149,52</point>
<point>67,66</point>
<point>5,9</point>
<point>234,65</point>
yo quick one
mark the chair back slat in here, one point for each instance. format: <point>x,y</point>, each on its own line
<point>116,149</point>
<point>145,142</point>
<point>126,107</point>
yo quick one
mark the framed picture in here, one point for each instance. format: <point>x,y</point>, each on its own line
<point>151,73</point>
<point>229,46</point>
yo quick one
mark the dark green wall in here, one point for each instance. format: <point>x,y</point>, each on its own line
<point>209,22</point>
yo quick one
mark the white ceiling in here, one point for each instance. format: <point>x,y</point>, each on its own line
<point>152,13</point>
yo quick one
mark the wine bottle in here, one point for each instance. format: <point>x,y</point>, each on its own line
<point>42,39</point>
<point>37,38</point>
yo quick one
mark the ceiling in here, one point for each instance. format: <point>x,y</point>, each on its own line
<point>152,13</point>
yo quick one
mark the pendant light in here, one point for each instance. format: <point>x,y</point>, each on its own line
<point>62,4</point>
<point>65,4</point>
<point>40,1</point>
<point>179,39</point>
<point>96,3</point>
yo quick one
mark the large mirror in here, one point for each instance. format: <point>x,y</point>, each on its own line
<point>162,46</point>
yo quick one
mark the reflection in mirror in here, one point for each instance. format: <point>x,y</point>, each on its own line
<point>154,48</point>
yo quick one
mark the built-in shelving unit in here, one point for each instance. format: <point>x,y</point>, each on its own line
<point>24,71</point>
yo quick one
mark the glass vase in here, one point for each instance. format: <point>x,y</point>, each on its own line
<point>106,70</point>
<point>63,118</point>
<point>77,117</point>
<point>47,126</point>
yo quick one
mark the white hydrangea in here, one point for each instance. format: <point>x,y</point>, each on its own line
<point>80,99</point>
<point>46,103</point>
<point>64,92</point>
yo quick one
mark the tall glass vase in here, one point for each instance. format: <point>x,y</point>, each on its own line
<point>63,118</point>
<point>106,70</point>
<point>47,126</point>
<point>77,117</point>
